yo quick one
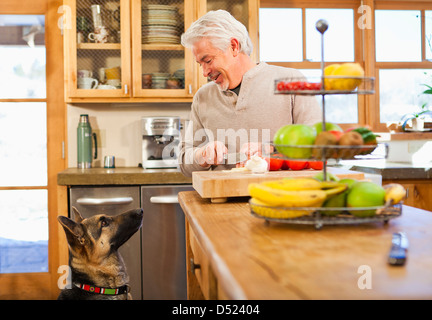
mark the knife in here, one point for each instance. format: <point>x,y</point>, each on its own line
<point>399,248</point>
<point>233,158</point>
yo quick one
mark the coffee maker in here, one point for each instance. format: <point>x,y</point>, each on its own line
<point>160,142</point>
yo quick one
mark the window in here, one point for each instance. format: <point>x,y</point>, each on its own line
<point>394,46</point>
<point>23,145</point>
<point>402,69</point>
<point>288,37</point>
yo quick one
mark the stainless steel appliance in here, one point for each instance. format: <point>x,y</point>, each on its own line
<point>112,201</point>
<point>163,243</point>
<point>160,142</point>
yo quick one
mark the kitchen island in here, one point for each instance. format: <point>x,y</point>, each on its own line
<point>234,255</point>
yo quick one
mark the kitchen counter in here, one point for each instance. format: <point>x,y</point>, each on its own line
<point>390,170</point>
<point>243,257</point>
<point>120,176</point>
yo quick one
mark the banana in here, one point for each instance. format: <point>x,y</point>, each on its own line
<point>294,184</point>
<point>292,198</point>
<point>394,193</point>
<point>264,209</point>
<point>300,184</point>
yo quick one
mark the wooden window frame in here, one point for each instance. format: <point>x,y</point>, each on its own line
<point>364,47</point>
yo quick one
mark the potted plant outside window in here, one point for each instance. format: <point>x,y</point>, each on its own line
<point>417,118</point>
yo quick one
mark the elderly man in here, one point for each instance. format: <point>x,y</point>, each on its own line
<point>238,110</point>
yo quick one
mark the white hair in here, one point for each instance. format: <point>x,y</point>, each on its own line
<point>219,27</point>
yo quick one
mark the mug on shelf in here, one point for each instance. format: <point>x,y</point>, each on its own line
<point>84,74</point>
<point>87,83</point>
<point>100,35</point>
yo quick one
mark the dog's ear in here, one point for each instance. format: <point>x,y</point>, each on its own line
<point>73,230</point>
<point>78,216</point>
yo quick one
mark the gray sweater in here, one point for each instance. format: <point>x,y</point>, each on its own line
<point>253,116</point>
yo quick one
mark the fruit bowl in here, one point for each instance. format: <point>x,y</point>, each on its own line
<point>320,216</point>
<point>314,85</point>
<point>318,152</point>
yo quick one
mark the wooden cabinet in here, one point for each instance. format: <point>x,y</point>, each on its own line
<point>130,51</point>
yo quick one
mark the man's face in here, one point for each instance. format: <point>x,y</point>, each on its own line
<point>219,66</point>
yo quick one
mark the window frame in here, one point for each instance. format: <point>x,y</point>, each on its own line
<point>364,47</point>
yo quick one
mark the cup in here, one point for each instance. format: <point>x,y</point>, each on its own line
<point>101,73</point>
<point>87,83</point>
<point>96,14</point>
<point>109,162</point>
<point>106,87</point>
<point>113,73</point>
<point>84,74</point>
<point>100,35</point>
<point>114,82</point>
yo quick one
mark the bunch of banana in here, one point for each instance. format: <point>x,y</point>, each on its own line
<point>303,192</point>
<point>394,193</point>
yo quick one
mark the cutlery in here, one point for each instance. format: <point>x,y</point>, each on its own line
<point>233,158</point>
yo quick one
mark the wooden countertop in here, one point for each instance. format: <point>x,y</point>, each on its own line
<point>121,176</point>
<point>255,260</point>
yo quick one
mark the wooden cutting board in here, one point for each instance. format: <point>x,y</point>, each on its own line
<point>220,185</point>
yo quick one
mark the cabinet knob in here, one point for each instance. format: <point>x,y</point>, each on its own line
<point>190,89</point>
<point>194,266</point>
<point>125,89</point>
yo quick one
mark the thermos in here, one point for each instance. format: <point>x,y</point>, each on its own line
<point>85,138</point>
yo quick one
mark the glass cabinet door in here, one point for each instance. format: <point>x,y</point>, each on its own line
<point>98,41</point>
<point>162,67</point>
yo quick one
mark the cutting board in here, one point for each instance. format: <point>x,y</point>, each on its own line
<point>220,185</point>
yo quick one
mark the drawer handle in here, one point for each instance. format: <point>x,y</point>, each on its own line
<point>164,199</point>
<point>194,266</point>
<point>104,201</point>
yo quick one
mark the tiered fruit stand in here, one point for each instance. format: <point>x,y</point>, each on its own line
<point>319,216</point>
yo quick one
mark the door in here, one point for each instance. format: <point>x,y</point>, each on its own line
<point>31,136</point>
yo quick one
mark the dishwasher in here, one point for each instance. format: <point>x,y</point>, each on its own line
<point>163,243</point>
<point>112,201</point>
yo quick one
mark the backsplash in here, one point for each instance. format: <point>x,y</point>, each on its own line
<point>118,129</point>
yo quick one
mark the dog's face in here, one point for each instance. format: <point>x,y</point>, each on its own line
<point>95,238</point>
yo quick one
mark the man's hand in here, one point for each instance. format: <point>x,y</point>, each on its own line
<point>211,153</point>
<point>251,149</point>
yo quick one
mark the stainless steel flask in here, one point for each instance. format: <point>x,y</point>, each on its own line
<point>85,139</point>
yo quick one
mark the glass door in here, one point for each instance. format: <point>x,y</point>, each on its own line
<point>32,112</point>
<point>161,65</point>
<point>98,42</point>
<point>23,145</point>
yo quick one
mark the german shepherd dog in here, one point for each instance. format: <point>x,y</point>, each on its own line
<point>97,268</point>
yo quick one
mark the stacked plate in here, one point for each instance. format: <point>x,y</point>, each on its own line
<point>159,80</point>
<point>160,24</point>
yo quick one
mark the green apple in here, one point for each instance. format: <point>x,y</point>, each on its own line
<point>365,194</point>
<point>329,127</point>
<point>329,176</point>
<point>295,135</point>
<point>339,200</point>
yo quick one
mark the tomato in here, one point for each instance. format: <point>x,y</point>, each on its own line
<point>274,163</point>
<point>316,165</point>
<point>281,86</point>
<point>285,165</point>
<point>298,165</point>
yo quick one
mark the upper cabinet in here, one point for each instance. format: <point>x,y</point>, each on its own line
<point>130,51</point>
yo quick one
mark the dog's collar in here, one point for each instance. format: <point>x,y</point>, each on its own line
<point>107,291</point>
